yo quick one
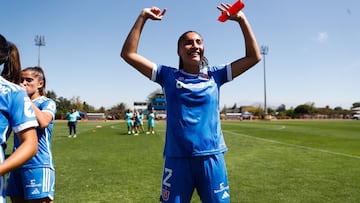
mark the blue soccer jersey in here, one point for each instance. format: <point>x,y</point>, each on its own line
<point>43,157</point>
<point>129,119</point>
<point>192,107</point>
<point>16,112</point>
<point>140,118</point>
<point>73,116</point>
<point>151,118</point>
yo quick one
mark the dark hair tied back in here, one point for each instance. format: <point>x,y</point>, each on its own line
<point>9,56</point>
<point>4,49</point>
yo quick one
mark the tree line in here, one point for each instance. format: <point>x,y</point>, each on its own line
<point>302,111</point>
<point>116,112</point>
<point>63,105</point>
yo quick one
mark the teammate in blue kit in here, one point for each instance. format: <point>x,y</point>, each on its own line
<point>34,181</point>
<point>16,113</point>
<point>194,146</point>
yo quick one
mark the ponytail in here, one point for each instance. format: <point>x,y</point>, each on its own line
<point>9,56</point>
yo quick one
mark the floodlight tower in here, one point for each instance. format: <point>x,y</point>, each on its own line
<point>264,51</point>
<point>39,41</point>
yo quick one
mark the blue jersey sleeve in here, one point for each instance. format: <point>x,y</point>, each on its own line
<point>21,111</point>
<point>47,105</point>
<point>221,74</point>
<point>16,112</point>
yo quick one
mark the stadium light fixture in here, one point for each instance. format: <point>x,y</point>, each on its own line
<point>264,51</point>
<point>39,41</point>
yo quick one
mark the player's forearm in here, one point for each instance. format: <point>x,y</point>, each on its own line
<point>129,51</point>
<point>251,47</point>
<point>132,41</point>
<point>252,53</point>
<point>26,150</point>
<point>43,118</point>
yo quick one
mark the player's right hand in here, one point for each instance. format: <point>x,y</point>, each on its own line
<point>154,13</point>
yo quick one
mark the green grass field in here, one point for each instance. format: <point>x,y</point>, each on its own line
<point>267,161</point>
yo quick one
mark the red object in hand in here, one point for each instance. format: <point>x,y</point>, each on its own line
<point>236,7</point>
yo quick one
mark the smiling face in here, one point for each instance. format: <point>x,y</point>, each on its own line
<point>191,51</point>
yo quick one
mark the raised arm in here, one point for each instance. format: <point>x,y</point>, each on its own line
<point>129,49</point>
<point>252,52</point>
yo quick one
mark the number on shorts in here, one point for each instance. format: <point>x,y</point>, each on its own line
<point>167,176</point>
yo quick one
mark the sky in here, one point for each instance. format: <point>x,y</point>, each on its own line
<point>313,47</point>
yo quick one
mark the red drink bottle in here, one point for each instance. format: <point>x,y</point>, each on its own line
<point>236,7</point>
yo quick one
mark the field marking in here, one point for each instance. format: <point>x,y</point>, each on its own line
<point>115,127</point>
<point>294,145</point>
<point>263,127</point>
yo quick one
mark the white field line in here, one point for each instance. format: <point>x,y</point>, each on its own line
<point>294,145</point>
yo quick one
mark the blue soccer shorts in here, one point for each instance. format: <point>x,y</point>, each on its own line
<point>31,184</point>
<point>151,123</point>
<point>2,178</point>
<point>206,174</point>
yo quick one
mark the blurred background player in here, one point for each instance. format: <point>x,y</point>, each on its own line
<point>72,117</point>
<point>129,121</point>
<point>136,123</point>
<point>151,122</point>
<point>140,120</point>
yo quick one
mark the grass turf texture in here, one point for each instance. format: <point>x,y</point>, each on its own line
<point>267,161</point>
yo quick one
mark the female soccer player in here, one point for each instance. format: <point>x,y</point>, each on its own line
<point>34,181</point>
<point>129,121</point>
<point>16,113</point>
<point>72,117</point>
<point>151,122</point>
<point>194,146</point>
